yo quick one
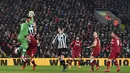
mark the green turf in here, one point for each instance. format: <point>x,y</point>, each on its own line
<point>58,69</point>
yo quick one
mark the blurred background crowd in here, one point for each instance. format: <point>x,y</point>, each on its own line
<point>76,16</point>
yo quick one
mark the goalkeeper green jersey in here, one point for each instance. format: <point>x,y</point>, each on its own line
<point>23,30</point>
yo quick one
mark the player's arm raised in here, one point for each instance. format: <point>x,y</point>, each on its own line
<point>35,28</point>
<point>31,14</point>
<point>93,45</point>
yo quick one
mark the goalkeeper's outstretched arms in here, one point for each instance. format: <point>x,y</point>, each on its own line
<point>31,14</point>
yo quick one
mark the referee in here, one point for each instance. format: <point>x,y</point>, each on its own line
<point>61,38</point>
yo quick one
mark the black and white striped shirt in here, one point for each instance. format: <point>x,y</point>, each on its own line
<point>62,40</point>
<point>31,29</point>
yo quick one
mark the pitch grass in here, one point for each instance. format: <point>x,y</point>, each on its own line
<point>58,69</point>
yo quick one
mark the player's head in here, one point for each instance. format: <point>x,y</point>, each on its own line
<point>59,30</point>
<point>95,34</point>
<point>28,19</point>
<point>113,34</point>
<point>77,38</point>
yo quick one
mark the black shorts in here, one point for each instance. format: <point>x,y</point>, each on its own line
<point>62,51</point>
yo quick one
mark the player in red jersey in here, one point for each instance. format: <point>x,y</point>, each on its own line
<point>76,50</point>
<point>31,51</point>
<point>95,52</point>
<point>115,52</point>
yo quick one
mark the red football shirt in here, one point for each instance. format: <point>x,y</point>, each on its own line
<point>33,41</point>
<point>76,45</point>
<point>97,48</point>
<point>116,44</point>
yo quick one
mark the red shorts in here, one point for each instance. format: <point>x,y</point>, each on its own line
<point>114,55</point>
<point>95,54</point>
<point>31,51</point>
<point>75,54</point>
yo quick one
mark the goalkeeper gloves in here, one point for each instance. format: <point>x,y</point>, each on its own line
<point>31,13</point>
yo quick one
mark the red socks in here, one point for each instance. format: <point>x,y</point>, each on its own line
<point>108,64</point>
<point>97,65</point>
<point>24,65</point>
<point>33,62</point>
<point>78,62</point>
<point>116,63</point>
<point>92,64</point>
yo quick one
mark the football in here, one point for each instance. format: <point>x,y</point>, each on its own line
<point>31,13</point>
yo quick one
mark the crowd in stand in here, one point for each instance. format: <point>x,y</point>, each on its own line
<point>76,16</point>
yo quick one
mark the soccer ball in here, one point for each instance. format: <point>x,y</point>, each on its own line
<point>31,13</point>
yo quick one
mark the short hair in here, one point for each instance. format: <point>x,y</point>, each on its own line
<point>28,17</point>
<point>115,31</point>
<point>24,19</point>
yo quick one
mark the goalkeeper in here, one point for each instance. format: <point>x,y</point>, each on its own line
<point>22,37</point>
